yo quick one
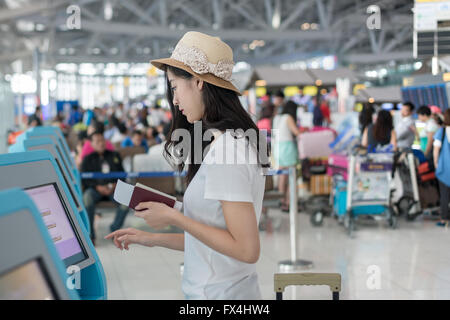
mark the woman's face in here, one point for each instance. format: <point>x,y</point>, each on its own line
<point>187,96</point>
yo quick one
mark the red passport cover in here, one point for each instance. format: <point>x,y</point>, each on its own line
<point>143,195</point>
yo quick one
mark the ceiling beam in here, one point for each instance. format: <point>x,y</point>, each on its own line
<point>138,11</point>
<point>295,14</point>
<point>30,9</point>
<point>217,6</point>
<point>250,17</point>
<point>368,58</point>
<point>202,20</point>
<point>233,34</point>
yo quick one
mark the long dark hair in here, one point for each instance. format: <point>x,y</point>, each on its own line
<point>383,126</point>
<point>290,108</point>
<point>267,110</point>
<point>223,111</point>
<point>365,117</point>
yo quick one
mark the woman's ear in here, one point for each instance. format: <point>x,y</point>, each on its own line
<point>199,83</point>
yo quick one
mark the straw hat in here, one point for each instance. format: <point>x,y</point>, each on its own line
<point>203,56</point>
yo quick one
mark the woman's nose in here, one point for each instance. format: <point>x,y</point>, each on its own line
<point>175,101</point>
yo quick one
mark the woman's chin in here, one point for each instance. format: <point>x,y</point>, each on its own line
<point>191,120</point>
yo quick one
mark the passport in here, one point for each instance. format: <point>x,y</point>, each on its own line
<point>131,196</point>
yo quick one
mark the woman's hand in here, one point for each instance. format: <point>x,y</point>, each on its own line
<point>157,215</point>
<point>124,237</point>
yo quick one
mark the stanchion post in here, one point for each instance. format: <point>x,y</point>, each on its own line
<point>293,210</point>
<point>294,263</point>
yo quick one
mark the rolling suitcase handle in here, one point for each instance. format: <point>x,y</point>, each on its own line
<point>282,280</point>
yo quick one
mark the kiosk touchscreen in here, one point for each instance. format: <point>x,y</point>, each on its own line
<point>30,267</point>
<point>37,173</point>
<point>48,144</point>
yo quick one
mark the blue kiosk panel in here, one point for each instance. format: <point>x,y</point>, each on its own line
<point>30,267</point>
<point>37,173</point>
<point>48,144</point>
<point>51,130</point>
<point>73,172</point>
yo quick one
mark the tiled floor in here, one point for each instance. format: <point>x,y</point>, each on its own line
<point>413,261</point>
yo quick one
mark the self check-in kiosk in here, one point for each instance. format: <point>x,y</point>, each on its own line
<point>37,173</point>
<point>47,143</point>
<point>56,133</point>
<point>30,266</point>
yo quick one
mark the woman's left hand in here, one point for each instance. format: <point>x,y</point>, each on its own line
<point>157,215</point>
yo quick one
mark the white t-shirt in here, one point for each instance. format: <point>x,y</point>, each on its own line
<point>209,274</point>
<point>280,129</point>
<point>431,126</point>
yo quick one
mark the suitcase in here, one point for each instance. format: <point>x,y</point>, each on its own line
<point>429,194</point>
<point>282,280</point>
<point>320,184</point>
<point>315,144</point>
<point>338,164</point>
<point>340,198</point>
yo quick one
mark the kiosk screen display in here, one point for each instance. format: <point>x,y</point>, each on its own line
<point>26,282</point>
<point>58,222</point>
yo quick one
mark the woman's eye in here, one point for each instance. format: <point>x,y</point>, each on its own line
<point>173,88</point>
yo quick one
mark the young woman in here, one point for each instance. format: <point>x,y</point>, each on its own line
<point>381,133</point>
<point>365,117</point>
<point>223,201</point>
<point>285,152</point>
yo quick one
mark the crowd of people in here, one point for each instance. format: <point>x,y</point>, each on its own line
<point>378,130</point>
<point>101,131</point>
<point>279,113</point>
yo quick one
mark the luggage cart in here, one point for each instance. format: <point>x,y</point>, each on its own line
<point>408,203</point>
<point>282,280</point>
<point>368,188</point>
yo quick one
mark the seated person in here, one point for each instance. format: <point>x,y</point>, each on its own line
<point>150,136</point>
<point>136,139</point>
<point>119,135</point>
<point>87,149</point>
<point>82,137</point>
<point>95,190</point>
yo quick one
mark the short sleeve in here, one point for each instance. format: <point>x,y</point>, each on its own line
<point>438,134</point>
<point>438,138</point>
<point>431,126</point>
<point>228,182</point>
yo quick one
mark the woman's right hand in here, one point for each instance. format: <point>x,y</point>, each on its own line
<point>124,237</point>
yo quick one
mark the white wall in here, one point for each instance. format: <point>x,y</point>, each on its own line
<point>7,114</point>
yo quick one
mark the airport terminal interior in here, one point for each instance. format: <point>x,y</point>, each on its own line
<point>350,99</point>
